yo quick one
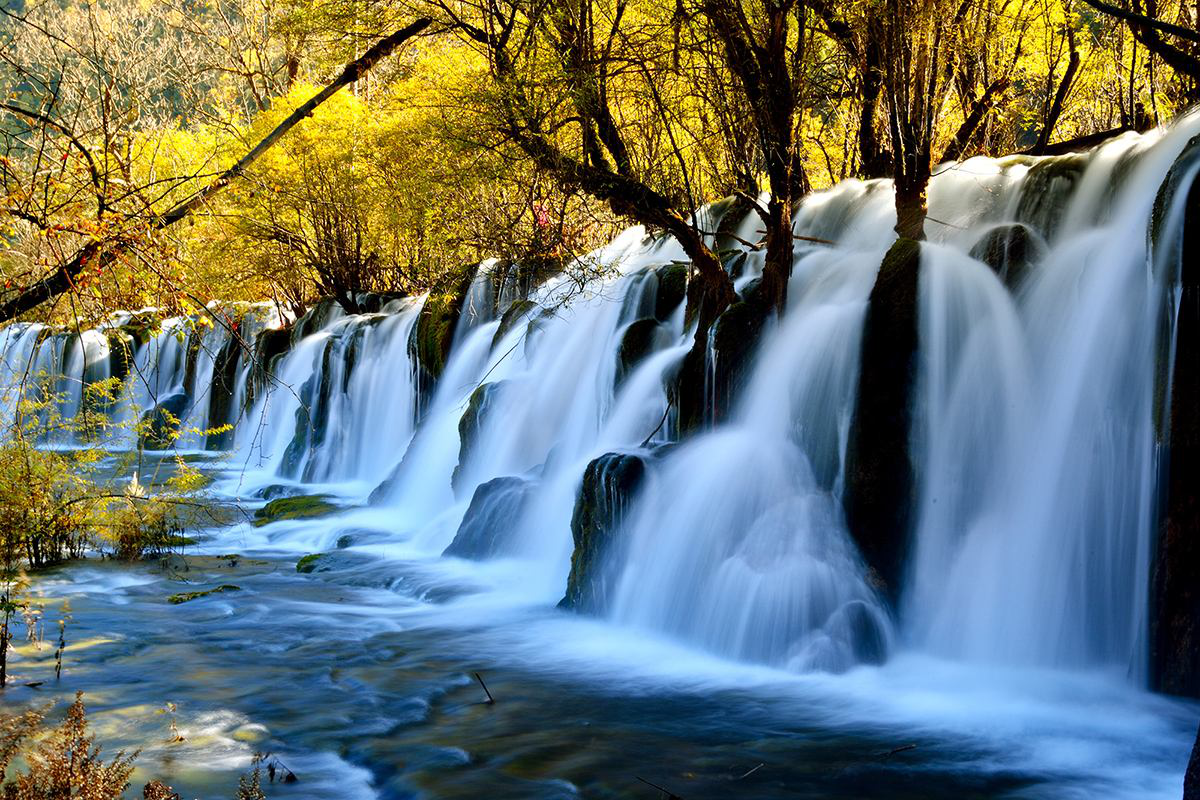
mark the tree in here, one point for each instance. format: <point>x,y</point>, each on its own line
<point>127,212</point>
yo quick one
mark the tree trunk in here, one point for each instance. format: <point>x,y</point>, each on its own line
<point>911,209</point>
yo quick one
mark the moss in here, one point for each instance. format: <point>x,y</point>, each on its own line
<point>308,563</point>
<point>470,425</point>
<point>178,540</point>
<point>187,597</point>
<point>306,506</point>
<point>434,332</point>
<point>609,483</point>
<point>515,314</point>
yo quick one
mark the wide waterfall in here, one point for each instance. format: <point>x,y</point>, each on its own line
<point>544,462</point>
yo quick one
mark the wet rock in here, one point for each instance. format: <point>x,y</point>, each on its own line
<point>269,347</point>
<point>1045,189</point>
<point>187,597</point>
<point>433,333</point>
<point>1010,250</point>
<point>515,314</point>
<point>735,340</point>
<point>1175,577</point>
<point>640,339</point>
<point>278,490</point>
<point>221,389</point>
<point>329,562</point>
<point>470,425</point>
<point>297,507</point>
<point>496,509</point>
<point>1191,780</point>
<point>672,290</point>
<point>879,471</point>
<point>160,425</point>
<point>608,486</point>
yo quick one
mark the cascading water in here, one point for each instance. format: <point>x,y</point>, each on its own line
<point>1033,443</point>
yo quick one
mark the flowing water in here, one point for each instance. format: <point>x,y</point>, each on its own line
<point>737,646</point>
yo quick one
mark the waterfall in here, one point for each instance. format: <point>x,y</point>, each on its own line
<point>548,435</point>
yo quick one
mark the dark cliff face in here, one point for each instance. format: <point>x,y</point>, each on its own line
<point>879,471</point>
<point>1175,580</point>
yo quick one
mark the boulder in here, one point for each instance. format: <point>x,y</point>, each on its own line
<point>515,314</point>
<point>496,508</point>
<point>640,339</point>
<point>297,507</point>
<point>608,486</point>
<point>1010,250</point>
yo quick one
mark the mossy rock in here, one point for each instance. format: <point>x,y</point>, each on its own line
<point>1010,250</point>
<point>187,597</point>
<point>328,562</point>
<point>470,425</point>
<point>672,290</point>
<point>512,317</point>
<point>434,332</point>
<point>307,506</point>
<point>608,485</point>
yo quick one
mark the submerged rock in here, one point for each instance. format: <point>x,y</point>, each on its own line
<point>160,426</point>
<point>734,341</point>
<point>296,507</point>
<point>187,597</point>
<point>879,470</point>
<point>1010,250</point>
<point>608,486</point>
<point>496,509</point>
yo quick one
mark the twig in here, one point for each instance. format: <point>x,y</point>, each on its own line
<point>667,792</point>
<point>751,772</point>
<point>900,749</point>
<point>490,700</point>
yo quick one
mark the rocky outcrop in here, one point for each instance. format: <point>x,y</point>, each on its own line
<point>608,486</point>
<point>307,506</point>
<point>221,390</point>
<point>1010,250</point>
<point>160,426</point>
<point>640,339</point>
<point>470,425</point>
<point>1175,579</point>
<point>879,470</point>
<point>672,290</point>
<point>515,315</point>
<point>496,509</point>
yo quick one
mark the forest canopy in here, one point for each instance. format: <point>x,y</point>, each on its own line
<point>525,130</point>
